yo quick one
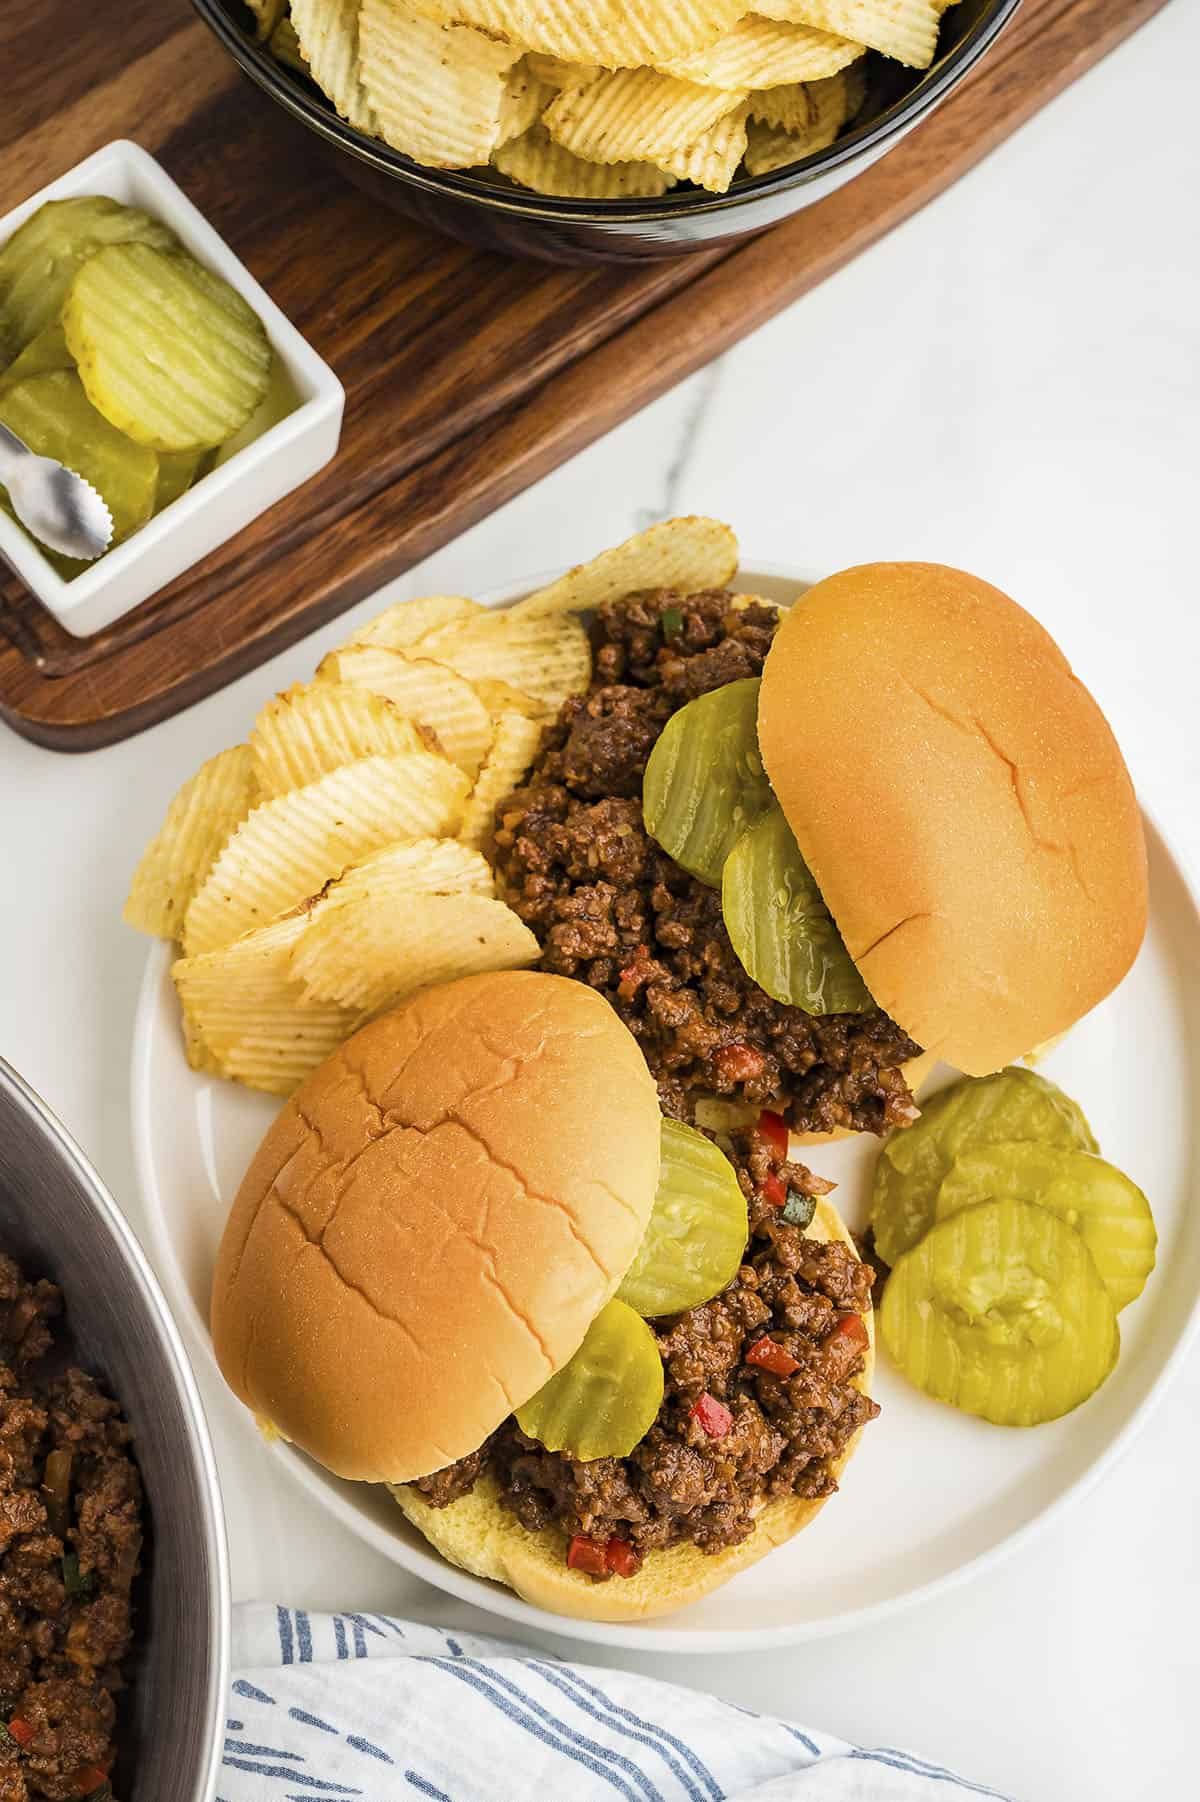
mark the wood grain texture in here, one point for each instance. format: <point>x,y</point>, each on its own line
<point>467,376</point>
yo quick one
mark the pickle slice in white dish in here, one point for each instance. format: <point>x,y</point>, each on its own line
<point>705,783</point>
<point>168,352</point>
<point>1000,1311</point>
<point>54,417</point>
<point>696,1236</point>
<point>177,470</point>
<point>607,1397</point>
<point>42,354</point>
<point>1014,1103</point>
<point>780,927</point>
<point>39,261</point>
<point>1106,1208</point>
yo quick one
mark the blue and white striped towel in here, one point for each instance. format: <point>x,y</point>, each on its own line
<point>363,1706</point>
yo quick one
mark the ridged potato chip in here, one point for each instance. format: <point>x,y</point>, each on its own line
<point>267,14</point>
<point>167,351</point>
<point>198,1055</point>
<point>904,29</point>
<point>314,727</point>
<point>513,750</point>
<point>248,1016</point>
<point>768,148</point>
<point>690,553</point>
<point>614,33</point>
<point>406,623</point>
<point>524,98</point>
<point>633,115</point>
<point>328,35</point>
<point>545,656</point>
<point>502,697</point>
<point>284,45</point>
<point>857,83</point>
<point>413,866</point>
<point>555,72</point>
<point>437,90</point>
<point>764,53</point>
<point>827,105</point>
<point>203,814</point>
<point>370,952</point>
<point>286,849</point>
<point>712,161</point>
<point>425,691</point>
<point>536,161</point>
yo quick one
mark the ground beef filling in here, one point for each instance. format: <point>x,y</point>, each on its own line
<point>70,1540</point>
<point>613,910</point>
<point>786,1433</point>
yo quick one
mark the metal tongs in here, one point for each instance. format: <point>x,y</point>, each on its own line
<point>58,507</point>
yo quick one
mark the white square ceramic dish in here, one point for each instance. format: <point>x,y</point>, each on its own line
<point>233,494</point>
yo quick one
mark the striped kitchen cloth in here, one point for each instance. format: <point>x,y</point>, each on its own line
<point>381,1710</point>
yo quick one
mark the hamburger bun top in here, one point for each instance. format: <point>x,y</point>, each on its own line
<point>434,1220</point>
<point>481,1536</point>
<point>961,802</point>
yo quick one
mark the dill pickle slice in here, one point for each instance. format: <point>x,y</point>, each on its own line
<point>1000,1311</point>
<point>45,352</point>
<point>781,928</point>
<point>177,471</point>
<point>1108,1210</point>
<point>705,783</point>
<point>168,352</point>
<point>608,1396</point>
<point>1015,1103</point>
<point>280,399</point>
<point>53,415</point>
<point>696,1236</point>
<point>39,261</point>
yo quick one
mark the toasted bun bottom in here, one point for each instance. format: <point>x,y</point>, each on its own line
<point>482,1537</point>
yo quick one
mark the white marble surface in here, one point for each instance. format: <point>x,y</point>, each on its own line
<point>1009,382</point>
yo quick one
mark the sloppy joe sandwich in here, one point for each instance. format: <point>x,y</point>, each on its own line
<point>806,852</point>
<point>589,1350</point>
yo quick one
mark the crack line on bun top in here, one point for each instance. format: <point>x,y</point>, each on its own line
<point>775,856</point>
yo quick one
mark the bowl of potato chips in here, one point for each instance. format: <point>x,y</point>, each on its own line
<point>609,132</point>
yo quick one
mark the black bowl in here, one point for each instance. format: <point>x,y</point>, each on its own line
<point>495,216</point>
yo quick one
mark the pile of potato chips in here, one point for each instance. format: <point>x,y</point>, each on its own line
<point>335,862</point>
<point>611,99</point>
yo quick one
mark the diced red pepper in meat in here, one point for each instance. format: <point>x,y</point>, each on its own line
<point>632,973</point>
<point>622,1559</point>
<point>768,1355</point>
<point>713,1416</point>
<point>774,1129</point>
<point>738,1062</point>
<point>21,1731</point>
<point>587,1554</point>
<point>845,1345</point>
<point>775,1191</point>
<point>89,1780</point>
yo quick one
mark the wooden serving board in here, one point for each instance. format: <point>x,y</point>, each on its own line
<point>446,353</point>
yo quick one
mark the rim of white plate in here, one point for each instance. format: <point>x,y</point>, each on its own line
<point>413,1553</point>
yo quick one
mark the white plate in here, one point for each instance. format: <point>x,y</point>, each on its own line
<point>932,1495</point>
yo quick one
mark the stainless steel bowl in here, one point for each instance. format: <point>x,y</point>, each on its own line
<point>495,216</point>
<point>58,1220</point>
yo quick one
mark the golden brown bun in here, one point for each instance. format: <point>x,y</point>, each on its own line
<point>961,802</point>
<point>480,1536</point>
<point>434,1220</point>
